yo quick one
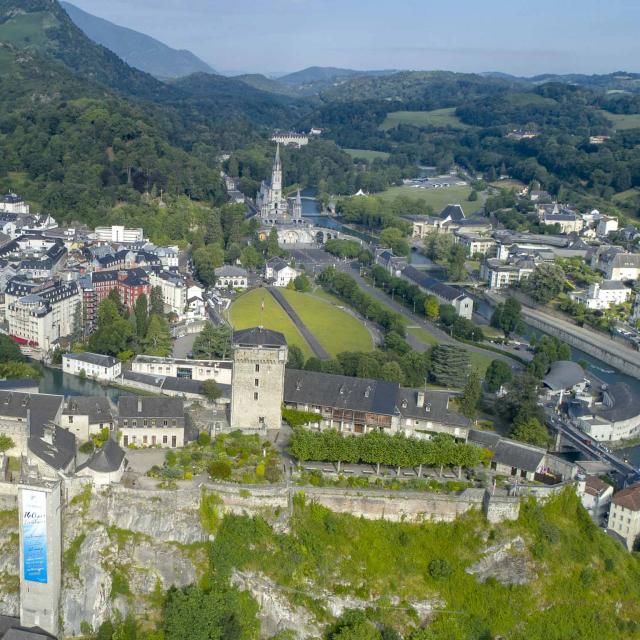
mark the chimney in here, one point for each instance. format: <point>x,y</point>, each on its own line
<point>139,405</point>
<point>420,398</point>
<point>47,433</point>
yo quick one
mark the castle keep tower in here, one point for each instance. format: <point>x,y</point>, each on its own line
<point>257,383</point>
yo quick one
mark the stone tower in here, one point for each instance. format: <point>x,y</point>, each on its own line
<point>296,210</point>
<point>257,382</point>
<point>276,177</point>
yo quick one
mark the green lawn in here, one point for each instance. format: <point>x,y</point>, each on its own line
<point>245,312</point>
<point>510,183</point>
<point>423,335</point>
<point>435,118</point>
<point>336,330</point>
<point>367,154</point>
<point>623,121</point>
<point>437,198</point>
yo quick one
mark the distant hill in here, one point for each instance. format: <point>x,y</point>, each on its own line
<point>137,49</point>
<point>258,81</point>
<point>314,80</point>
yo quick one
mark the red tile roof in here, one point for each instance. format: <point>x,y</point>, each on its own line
<point>628,498</point>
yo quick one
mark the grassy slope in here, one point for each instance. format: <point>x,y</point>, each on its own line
<point>623,121</point>
<point>437,198</point>
<point>585,586</point>
<point>367,154</point>
<point>435,118</point>
<point>336,330</point>
<point>245,312</point>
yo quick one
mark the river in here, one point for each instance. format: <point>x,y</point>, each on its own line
<point>56,382</point>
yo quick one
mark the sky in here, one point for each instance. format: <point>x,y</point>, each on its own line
<point>521,37</point>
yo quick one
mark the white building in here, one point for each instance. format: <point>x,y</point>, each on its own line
<point>616,263</point>
<point>174,290</point>
<point>475,244</point>
<point>602,295</point>
<point>230,277</point>
<point>94,365</point>
<point>595,495</point>
<point>446,294</point>
<point>40,315</point>
<point>280,272</point>
<point>118,233</point>
<point>624,516</point>
<point>218,370</point>
<point>12,203</point>
<point>106,466</point>
<point>85,416</point>
<point>151,421</point>
<point>501,275</point>
<point>606,225</point>
<point>292,138</point>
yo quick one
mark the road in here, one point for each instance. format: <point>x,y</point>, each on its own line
<point>414,319</point>
<point>585,445</point>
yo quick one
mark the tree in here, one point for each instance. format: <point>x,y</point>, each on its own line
<point>295,358</point>
<point>531,431</point>
<point>273,248</point>
<point>6,443</point>
<point>507,316</point>
<point>449,365</point>
<point>9,350</point>
<point>301,283</point>
<point>250,258</point>
<point>157,341</point>
<point>395,240</point>
<point>473,196</point>
<point>213,342</point>
<point>141,311</point>
<point>114,296</point>
<point>498,373</point>
<point>113,333</point>
<point>448,314</point>
<point>471,395</point>
<point>431,307</point>
<point>392,372</point>
<point>156,302</point>
<point>438,246</point>
<point>210,390</point>
<point>205,262</point>
<point>546,282</point>
<point>455,262</point>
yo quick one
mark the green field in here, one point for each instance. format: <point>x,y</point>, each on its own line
<point>623,121</point>
<point>437,198</point>
<point>435,118</point>
<point>367,154</point>
<point>336,330</point>
<point>510,183</point>
<point>422,334</point>
<point>245,312</point>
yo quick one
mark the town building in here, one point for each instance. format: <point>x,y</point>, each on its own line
<point>12,203</point>
<point>446,294</point>
<point>105,466</point>
<point>279,273</point>
<point>602,295</point>
<point>258,378</point>
<point>151,421</point>
<point>290,138</point>
<point>568,221</point>
<point>273,206</point>
<point>595,496</point>
<point>218,370</point>
<point>39,315</point>
<point>390,262</point>
<point>119,234</point>
<point>130,284</point>
<point>624,516</point>
<point>564,377</point>
<point>94,365</point>
<point>475,244</point>
<point>616,263</point>
<point>85,416</point>
<point>426,413</point>
<point>606,225</point>
<point>501,275</point>
<point>174,290</point>
<point>230,277</point>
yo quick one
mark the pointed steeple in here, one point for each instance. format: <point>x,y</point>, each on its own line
<point>276,162</point>
<point>298,197</point>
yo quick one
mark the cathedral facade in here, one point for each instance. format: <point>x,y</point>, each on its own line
<point>272,206</point>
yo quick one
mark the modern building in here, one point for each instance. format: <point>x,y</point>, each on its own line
<point>119,234</point>
<point>475,244</point>
<point>94,365</point>
<point>277,271</point>
<point>85,416</point>
<point>230,277</point>
<point>602,295</point>
<point>501,275</point>
<point>258,378</point>
<point>446,294</point>
<point>151,421</point>
<point>273,206</point>
<point>624,516</point>
<point>218,370</point>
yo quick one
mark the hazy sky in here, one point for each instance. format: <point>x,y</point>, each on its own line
<point>269,36</point>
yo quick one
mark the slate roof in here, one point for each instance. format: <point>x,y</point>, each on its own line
<point>10,629</point>
<point>106,459</point>
<point>230,271</point>
<point>277,264</point>
<point>161,407</point>
<point>625,403</point>
<point>563,374</point>
<point>628,498</point>
<point>27,385</point>
<point>97,408</point>
<point>258,337</point>
<point>452,211</point>
<point>93,358</point>
<point>442,290</point>
<point>509,452</point>
<point>342,392</point>
<point>611,285</point>
<point>437,403</point>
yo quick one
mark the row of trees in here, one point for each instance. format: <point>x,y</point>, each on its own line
<point>378,448</point>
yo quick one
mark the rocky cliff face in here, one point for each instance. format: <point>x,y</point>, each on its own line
<point>9,569</point>
<point>123,549</point>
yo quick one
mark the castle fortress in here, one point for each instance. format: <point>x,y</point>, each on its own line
<point>273,207</point>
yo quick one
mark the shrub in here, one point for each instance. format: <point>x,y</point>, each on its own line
<point>220,470</point>
<point>439,569</point>
<point>204,439</point>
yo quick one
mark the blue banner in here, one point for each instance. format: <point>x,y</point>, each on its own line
<point>34,536</point>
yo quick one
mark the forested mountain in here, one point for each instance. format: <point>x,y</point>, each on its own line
<point>258,81</point>
<point>137,49</point>
<point>313,80</point>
